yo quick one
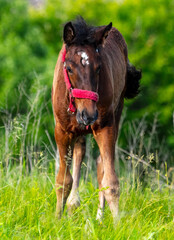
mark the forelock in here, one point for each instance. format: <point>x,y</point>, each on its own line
<point>84,34</point>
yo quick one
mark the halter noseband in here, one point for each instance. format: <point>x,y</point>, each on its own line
<point>75,92</point>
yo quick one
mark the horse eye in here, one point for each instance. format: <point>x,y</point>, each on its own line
<point>69,69</point>
<point>98,70</point>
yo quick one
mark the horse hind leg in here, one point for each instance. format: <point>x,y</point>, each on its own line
<point>100,173</point>
<point>79,151</point>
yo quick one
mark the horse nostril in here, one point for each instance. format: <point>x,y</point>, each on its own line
<point>84,116</point>
<point>87,119</point>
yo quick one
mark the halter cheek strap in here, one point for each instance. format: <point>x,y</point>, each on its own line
<point>75,92</point>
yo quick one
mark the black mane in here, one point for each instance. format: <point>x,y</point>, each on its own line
<point>84,34</point>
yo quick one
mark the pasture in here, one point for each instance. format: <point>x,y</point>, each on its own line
<point>27,210</point>
<point>28,195</point>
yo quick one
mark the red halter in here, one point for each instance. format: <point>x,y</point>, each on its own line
<point>75,92</point>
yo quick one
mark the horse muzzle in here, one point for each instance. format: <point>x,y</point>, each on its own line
<point>85,118</point>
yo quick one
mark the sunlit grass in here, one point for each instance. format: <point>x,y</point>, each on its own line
<point>27,211</point>
<point>27,184</point>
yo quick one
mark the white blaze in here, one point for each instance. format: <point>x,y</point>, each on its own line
<point>84,58</point>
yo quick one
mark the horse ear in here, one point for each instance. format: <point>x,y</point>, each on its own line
<point>68,33</point>
<point>102,33</point>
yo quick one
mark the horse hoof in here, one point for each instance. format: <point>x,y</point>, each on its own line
<point>73,203</point>
<point>72,208</point>
<point>99,216</point>
<point>58,214</point>
<point>59,211</point>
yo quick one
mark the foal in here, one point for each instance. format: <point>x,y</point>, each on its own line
<point>92,77</point>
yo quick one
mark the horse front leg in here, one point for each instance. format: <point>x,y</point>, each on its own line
<point>100,173</point>
<point>79,151</point>
<point>63,179</point>
<point>106,139</point>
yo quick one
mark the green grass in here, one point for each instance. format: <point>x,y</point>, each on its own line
<point>27,183</point>
<point>27,211</point>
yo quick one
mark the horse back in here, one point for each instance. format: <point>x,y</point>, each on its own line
<point>114,68</point>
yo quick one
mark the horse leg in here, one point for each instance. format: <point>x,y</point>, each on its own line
<point>100,173</point>
<point>64,179</point>
<point>105,139</point>
<point>79,151</point>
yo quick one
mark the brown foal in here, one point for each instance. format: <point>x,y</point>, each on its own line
<point>95,60</point>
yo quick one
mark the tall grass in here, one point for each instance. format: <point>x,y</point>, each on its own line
<point>25,141</point>
<point>27,211</point>
<point>27,172</point>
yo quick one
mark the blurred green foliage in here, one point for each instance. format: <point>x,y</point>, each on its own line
<point>22,51</point>
<point>32,37</point>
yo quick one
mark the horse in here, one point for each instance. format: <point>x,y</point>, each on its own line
<point>91,79</point>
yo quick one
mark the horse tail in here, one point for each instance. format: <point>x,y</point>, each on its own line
<point>132,81</point>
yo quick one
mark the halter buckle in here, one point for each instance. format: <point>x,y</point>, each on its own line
<point>69,111</point>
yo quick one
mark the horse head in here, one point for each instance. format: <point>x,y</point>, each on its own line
<point>82,65</point>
